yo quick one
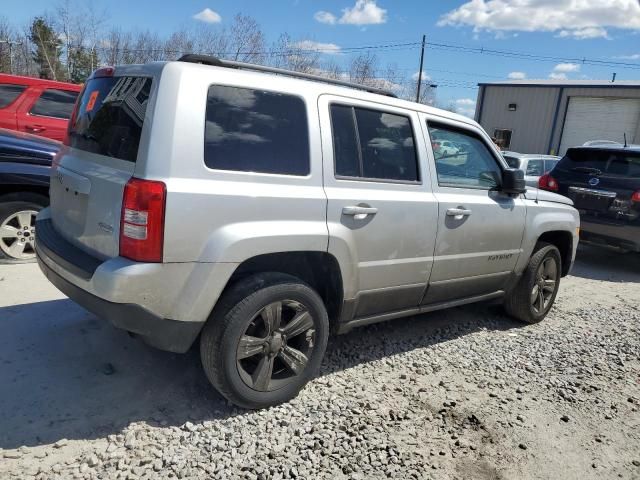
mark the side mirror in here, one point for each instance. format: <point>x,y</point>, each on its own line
<point>513,181</point>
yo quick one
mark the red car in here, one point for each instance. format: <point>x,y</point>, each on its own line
<point>34,105</point>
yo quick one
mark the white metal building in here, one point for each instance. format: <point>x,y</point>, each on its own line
<point>549,116</point>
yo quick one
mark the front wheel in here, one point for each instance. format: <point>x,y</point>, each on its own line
<point>533,296</point>
<point>264,340</point>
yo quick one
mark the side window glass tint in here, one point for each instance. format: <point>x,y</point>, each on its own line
<point>8,94</point>
<point>549,165</point>
<point>345,146</point>
<point>469,165</point>
<point>55,103</point>
<point>256,131</point>
<point>387,145</point>
<point>535,168</point>
<point>373,144</point>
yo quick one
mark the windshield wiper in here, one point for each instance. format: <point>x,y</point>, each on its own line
<point>592,170</point>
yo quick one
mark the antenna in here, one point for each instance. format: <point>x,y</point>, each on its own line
<point>625,139</point>
<point>613,79</point>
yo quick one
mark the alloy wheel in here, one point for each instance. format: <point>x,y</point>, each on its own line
<point>545,285</point>
<point>17,235</point>
<point>276,345</point>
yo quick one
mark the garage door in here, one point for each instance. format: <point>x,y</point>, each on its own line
<point>590,118</point>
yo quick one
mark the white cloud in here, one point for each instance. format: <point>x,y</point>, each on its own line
<point>208,16</point>
<point>465,102</point>
<point>325,17</point>
<point>364,12</point>
<point>328,48</point>
<point>566,67</point>
<point>517,75</point>
<point>465,106</point>
<point>584,33</point>
<point>579,19</point>
<point>557,76</point>
<point>635,56</point>
<point>425,77</point>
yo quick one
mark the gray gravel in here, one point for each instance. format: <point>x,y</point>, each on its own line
<point>464,393</point>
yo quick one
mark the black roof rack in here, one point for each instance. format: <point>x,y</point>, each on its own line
<point>216,62</point>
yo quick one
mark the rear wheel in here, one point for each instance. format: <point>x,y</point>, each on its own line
<point>533,296</point>
<point>17,226</point>
<point>265,340</point>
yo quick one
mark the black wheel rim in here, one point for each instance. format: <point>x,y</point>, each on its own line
<point>544,286</point>
<point>276,346</point>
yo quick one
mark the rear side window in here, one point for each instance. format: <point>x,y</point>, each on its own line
<point>535,167</point>
<point>110,116</point>
<point>608,162</point>
<point>250,130</point>
<point>372,144</point>
<point>8,94</point>
<point>55,103</point>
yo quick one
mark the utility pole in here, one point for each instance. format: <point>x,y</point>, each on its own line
<point>424,40</point>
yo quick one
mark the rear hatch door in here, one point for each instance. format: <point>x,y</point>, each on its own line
<point>89,175</point>
<point>601,182</point>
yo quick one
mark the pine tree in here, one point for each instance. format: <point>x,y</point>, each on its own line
<point>46,52</point>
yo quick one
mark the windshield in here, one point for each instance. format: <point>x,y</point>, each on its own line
<point>609,162</point>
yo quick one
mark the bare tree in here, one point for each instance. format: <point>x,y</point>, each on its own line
<point>245,40</point>
<point>285,53</point>
<point>362,68</point>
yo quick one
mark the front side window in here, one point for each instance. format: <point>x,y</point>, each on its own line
<point>535,168</point>
<point>251,130</point>
<point>9,93</point>
<point>55,103</point>
<point>373,144</point>
<point>469,165</point>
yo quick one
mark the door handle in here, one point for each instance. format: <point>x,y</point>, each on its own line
<point>359,212</point>
<point>458,212</point>
<point>35,128</point>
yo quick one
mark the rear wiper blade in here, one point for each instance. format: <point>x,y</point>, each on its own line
<point>592,170</point>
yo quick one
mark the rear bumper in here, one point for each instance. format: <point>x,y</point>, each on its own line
<point>622,236</point>
<point>162,333</point>
<point>165,303</point>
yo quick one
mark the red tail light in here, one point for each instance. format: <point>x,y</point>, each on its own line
<point>636,197</point>
<point>142,220</point>
<point>547,182</point>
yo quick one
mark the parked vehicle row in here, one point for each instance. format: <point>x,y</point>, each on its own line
<point>533,165</point>
<point>37,106</point>
<point>25,168</point>
<point>604,183</point>
<point>259,210</point>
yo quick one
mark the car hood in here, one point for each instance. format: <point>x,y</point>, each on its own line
<point>535,193</point>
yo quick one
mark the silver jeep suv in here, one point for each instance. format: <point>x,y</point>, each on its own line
<point>260,210</point>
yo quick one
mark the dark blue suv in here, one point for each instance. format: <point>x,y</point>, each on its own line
<point>25,164</point>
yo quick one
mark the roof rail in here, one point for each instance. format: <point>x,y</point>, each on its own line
<point>216,62</point>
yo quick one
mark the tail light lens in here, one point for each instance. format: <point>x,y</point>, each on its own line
<point>547,182</point>
<point>142,220</point>
<point>636,197</point>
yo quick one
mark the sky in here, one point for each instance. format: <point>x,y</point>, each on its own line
<point>568,39</point>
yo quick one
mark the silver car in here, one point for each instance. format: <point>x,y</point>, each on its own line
<point>533,165</point>
<point>258,210</point>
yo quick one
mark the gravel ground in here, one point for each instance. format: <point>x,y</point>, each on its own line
<point>464,393</point>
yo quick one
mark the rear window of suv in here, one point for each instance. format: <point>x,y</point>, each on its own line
<point>601,161</point>
<point>250,130</point>
<point>110,115</point>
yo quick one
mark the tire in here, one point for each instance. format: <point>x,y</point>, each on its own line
<point>17,211</point>
<point>238,345</point>
<point>523,302</point>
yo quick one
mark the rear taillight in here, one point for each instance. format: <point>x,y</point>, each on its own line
<point>547,182</point>
<point>636,197</point>
<point>142,220</point>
